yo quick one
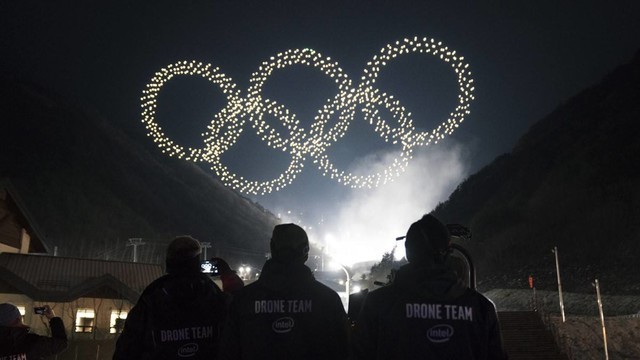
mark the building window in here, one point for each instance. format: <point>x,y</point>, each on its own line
<point>84,320</point>
<point>23,310</point>
<point>117,321</point>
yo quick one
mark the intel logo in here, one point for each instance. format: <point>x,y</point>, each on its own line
<point>283,325</point>
<point>440,333</point>
<point>188,350</point>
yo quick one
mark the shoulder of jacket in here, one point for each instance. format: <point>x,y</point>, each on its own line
<point>155,285</point>
<point>387,290</point>
<point>480,299</point>
<point>385,295</point>
<point>248,291</point>
<point>320,287</point>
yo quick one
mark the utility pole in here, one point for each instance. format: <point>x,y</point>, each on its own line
<point>604,330</point>
<point>555,251</point>
<point>204,246</point>
<point>135,242</point>
<point>337,265</point>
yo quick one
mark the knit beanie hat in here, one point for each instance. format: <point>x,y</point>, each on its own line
<point>289,244</point>
<point>183,255</point>
<point>8,314</point>
<point>427,241</point>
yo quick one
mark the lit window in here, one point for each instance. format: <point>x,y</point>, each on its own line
<point>117,321</point>
<point>23,310</point>
<point>84,320</point>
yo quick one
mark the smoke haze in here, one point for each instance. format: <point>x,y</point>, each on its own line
<point>367,223</point>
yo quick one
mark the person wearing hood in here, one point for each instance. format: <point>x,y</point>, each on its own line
<point>178,315</point>
<point>16,342</point>
<point>427,312</point>
<point>286,313</point>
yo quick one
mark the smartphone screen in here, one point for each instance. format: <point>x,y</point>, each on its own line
<point>39,310</point>
<point>208,267</point>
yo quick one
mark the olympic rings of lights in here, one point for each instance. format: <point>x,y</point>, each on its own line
<point>227,125</point>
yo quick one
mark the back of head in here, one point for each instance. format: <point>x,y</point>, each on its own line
<point>9,313</point>
<point>183,255</point>
<point>289,244</point>
<point>427,241</point>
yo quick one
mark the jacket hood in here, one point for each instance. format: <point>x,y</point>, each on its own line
<point>430,281</point>
<point>277,275</point>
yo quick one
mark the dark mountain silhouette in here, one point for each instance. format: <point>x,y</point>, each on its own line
<point>572,181</point>
<point>91,186</point>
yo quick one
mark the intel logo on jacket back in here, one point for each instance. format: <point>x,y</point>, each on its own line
<point>283,325</point>
<point>188,350</point>
<point>440,333</point>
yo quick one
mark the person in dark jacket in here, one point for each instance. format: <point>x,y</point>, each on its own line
<point>286,313</point>
<point>427,312</point>
<point>178,315</point>
<point>16,342</point>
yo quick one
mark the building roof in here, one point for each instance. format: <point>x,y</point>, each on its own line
<point>62,279</point>
<point>38,244</point>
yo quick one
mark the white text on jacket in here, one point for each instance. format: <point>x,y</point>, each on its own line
<point>282,306</point>
<point>22,356</point>
<point>190,333</point>
<point>439,312</point>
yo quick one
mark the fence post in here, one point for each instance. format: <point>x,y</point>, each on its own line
<point>604,330</point>
<point>555,251</point>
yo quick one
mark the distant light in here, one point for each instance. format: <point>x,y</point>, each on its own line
<point>357,289</point>
<point>227,125</point>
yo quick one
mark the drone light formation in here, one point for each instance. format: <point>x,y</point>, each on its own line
<point>229,123</point>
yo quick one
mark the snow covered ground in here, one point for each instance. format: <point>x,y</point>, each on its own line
<point>581,334</point>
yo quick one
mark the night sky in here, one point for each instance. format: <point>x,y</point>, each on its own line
<point>527,57</point>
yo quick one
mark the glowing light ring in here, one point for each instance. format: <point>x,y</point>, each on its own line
<point>258,187</point>
<point>150,94</point>
<point>227,125</point>
<point>255,103</point>
<point>292,145</point>
<point>435,48</point>
<point>401,134</point>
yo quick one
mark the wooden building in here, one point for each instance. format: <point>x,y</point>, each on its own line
<point>93,297</point>
<point>18,231</point>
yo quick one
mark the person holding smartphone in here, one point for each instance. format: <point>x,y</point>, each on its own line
<point>179,314</point>
<point>16,342</point>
